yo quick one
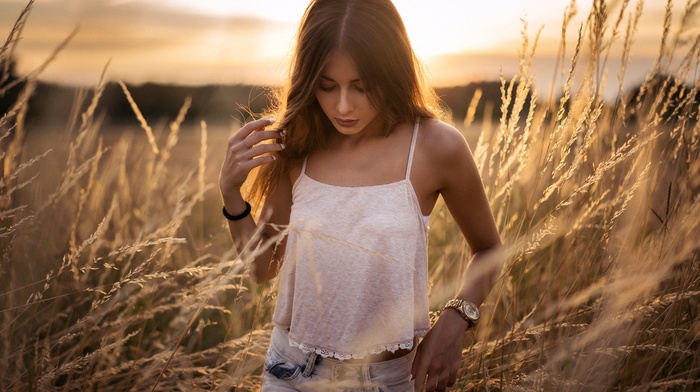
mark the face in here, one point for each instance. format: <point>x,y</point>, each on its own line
<point>342,96</point>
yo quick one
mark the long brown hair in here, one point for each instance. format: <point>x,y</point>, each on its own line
<point>374,36</point>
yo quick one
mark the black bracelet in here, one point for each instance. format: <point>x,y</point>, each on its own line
<point>239,216</point>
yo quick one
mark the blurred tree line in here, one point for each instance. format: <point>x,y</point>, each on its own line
<point>54,103</point>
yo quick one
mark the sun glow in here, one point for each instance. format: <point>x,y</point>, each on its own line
<point>448,28</point>
<point>433,35</point>
<point>246,41</point>
<point>286,11</point>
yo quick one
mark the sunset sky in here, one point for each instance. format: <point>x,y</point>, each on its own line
<point>248,41</point>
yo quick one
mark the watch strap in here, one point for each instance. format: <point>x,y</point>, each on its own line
<point>457,304</point>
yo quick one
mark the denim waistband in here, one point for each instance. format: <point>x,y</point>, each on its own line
<point>280,339</point>
<point>312,365</point>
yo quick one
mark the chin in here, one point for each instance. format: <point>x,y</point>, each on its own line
<point>348,131</point>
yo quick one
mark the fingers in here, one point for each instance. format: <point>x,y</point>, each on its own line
<point>253,133</point>
<point>441,380</point>
<point>433,377</point>
<point>247,149</point>
<point>259,136</point>
<point>261,149</point>
<point>250,127</point>
<point>419,381</point>
<point>419,371</point>
<point>452,379</point>
<point>250,141</point>
<point>255,162</point>
<point>436,380</point>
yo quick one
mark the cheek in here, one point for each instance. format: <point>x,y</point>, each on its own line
<point>325,99</point>
<point>322,102</point>
<point>369,108</point>
<point>366,104</point>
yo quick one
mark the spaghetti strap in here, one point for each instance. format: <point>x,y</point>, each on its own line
<point>411,151</point>
<point>303,166</point>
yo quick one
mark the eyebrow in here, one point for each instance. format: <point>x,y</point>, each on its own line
<point>331,80</point>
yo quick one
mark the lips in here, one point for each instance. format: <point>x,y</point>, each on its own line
<point>346,123</point>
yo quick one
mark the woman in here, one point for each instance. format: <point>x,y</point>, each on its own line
<point>349,178</point>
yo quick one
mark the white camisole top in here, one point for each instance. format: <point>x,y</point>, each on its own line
<point>354,278</point>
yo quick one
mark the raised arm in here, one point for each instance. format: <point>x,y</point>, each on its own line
<point>247,149</point>
<point>438,356</point>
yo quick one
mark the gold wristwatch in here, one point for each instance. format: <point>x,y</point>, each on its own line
<point>466,309</point>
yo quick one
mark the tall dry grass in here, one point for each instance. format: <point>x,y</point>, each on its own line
<point>116,270</point>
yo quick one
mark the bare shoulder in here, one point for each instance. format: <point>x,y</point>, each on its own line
<point>445,157</point>
<point>442,142</point>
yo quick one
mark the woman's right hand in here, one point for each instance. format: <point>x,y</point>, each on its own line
<point>246,151</point>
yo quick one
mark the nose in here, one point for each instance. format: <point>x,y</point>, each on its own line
<point>344,105</point>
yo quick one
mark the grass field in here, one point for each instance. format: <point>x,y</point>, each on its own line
<point>117,272</point>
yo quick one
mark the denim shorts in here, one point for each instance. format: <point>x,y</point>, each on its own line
<point>288,368</point>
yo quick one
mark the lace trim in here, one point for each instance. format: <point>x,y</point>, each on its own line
<point>407,345</point>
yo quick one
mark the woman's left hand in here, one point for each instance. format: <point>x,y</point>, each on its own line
<point>438,355</point>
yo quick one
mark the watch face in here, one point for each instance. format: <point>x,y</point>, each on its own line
<point>471,311</point>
